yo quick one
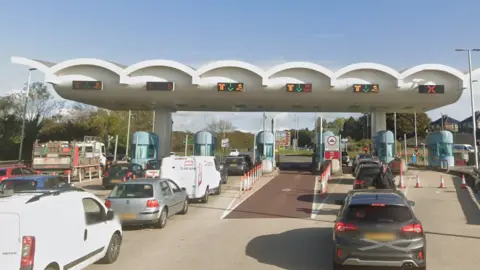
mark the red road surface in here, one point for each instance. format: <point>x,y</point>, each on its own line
<point>288,195</point>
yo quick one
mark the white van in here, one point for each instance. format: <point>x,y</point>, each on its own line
<point>463,148</point>
<point>197,174</point>
<point>49,230</point>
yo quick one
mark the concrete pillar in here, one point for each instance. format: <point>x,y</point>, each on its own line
<point>163,128</point>
<point>378,123</point>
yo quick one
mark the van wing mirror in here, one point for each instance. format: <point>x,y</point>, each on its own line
<point>339,202</point>
<point>184,189</point>
<point>411,203</point>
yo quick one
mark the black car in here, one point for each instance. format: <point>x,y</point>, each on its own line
<point>223,171</point>
<point>378,228</point>
<point>248,160</point>
<point>360,156</point>
<point>345,158</point>
<point>366,175</point>
<point>236,165</point>
<point>121,172</point>
<point>364,162</point>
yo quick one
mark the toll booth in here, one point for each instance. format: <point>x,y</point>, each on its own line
<point>144,147</point>
<point>204,144</point>
<point>385,146</point>
<point>440,149</point>
<point>268,139</point>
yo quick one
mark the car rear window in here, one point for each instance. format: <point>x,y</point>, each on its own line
<point>368,173</point>
<point>19,185</point>
<point>132,191</point>
<point>153,165</point>
<point>378,214</point>
<point>364,156</point>
<point>3,172</point>
<point>118,170</point>
<point>234,160</point>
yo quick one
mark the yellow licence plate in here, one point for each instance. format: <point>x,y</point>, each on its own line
<point>128,216</point>
<point>372,188</point>
<point>233,165</point>
<point>380,236</point>
<point>116,181</point>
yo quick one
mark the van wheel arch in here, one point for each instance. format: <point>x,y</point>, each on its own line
<point>53,266</point>
<point>206,195</point>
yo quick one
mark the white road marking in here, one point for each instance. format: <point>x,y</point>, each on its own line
<point>405,191</point>
<point>315,205</point>
<point>230,208</point>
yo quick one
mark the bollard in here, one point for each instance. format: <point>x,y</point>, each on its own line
<point>68,176</point>
<point>241,184</point>
<point>90,173</point>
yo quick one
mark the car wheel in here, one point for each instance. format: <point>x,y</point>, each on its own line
<point>162,220</point>
<point>205,197</point>
<point>113,249</point>
<point>219,189</point>
<point>185,207</point>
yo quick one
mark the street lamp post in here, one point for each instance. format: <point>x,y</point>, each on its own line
<point>128,132</point>
<point>25,113</point>
<point>472,100</point>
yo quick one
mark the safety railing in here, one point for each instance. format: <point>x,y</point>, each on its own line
<point>250,178</point>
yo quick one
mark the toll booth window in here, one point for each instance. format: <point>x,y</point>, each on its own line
<point>151,151</point>
<point>88,149</point>
<point>445,149</point>
<point>269,150</point>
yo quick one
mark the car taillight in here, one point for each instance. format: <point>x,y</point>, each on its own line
<point>38,172</point>
<point>343,227</point>
<point>360,182</point>
<point>152,204</point>
<point>105,174</point>
<point>28,252</point>
<point>377,204</point>
<point>108,204</point>
<point>415,228</point>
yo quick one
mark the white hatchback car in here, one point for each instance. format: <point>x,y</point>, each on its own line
<point>234,153</point>
<point>58,229</point>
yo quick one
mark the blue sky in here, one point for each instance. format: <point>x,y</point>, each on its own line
<point>331,33</point>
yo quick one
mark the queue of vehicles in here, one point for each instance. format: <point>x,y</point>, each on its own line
<point>377,227</point>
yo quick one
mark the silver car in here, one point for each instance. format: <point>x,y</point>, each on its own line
<point>147,201</point>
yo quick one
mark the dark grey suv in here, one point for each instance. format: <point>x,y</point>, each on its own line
<point>378,228</point>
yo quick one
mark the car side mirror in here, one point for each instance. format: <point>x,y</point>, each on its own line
<point>411,203</point>
<point>184,189</point>
<point>110,214</point>
<point>339,202</point>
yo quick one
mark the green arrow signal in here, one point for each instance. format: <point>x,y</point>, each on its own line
<point>299,88</point>
<point>230,87</point>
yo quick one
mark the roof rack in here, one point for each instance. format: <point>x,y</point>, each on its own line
<point>54,193</point>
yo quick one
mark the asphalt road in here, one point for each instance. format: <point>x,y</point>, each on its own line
<point>284,224</point>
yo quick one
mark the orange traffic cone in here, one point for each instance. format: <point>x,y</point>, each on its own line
<point>417,184</point>
<point>464,183</point>
<point>442,182</point>
<point>401,185</point>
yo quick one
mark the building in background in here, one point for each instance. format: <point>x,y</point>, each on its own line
<point>447,122</point>
<point>467,126</point>
<point>282,139</point>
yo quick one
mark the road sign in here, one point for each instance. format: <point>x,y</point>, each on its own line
<point>225,143</point>
<point>332,144</point>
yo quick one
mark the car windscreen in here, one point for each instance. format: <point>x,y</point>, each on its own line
<point>3,172</point>
<point>360,156</point>
<point>119,170</point>
<point>132,191</point>
<point>368,173</point>
<point>234,160</point>
<point>367,213</point>
<point>18,185</point>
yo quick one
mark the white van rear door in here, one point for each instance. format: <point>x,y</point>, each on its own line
<point>10,241</point>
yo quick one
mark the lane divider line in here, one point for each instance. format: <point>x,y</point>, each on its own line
<point>320,206</point>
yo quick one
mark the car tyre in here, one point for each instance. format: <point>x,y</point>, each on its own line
<point>113,249</point>
<point>185,207</point>
<point>205,197</point>
<point>218,191</point>
<point>162,219</point>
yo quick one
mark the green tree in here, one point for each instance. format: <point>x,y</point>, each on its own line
<point>406,124</point>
